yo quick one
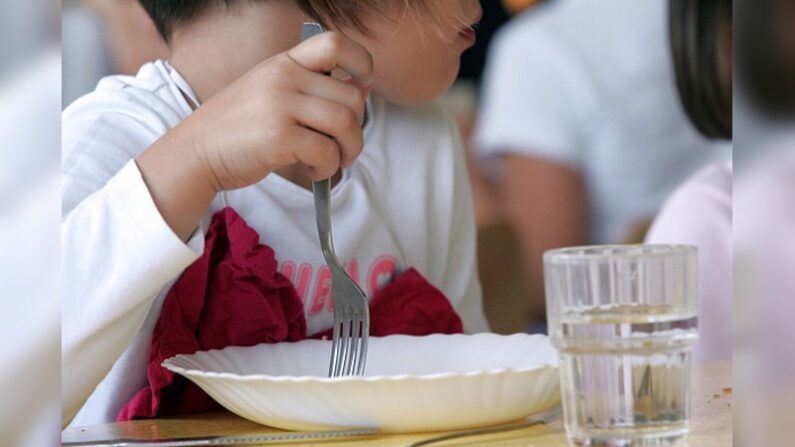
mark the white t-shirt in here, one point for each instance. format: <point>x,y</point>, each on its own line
<point>700,213</point>
<point>589,84</point>
<point>404,203</point>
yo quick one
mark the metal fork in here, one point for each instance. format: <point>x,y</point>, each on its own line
<point>351,311</point>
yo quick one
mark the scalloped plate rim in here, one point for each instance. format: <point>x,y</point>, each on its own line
<point>193,372</point>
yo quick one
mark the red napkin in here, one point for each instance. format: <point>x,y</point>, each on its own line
<point>409,305</point>
<point>234,296</point>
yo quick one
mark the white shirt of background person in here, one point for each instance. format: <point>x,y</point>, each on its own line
<point>589,85</point>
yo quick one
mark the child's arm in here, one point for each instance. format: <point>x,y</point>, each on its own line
<point>117,256</point>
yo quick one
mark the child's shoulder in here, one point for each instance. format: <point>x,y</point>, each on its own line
<point>149,96</point>
<point>124,115</point>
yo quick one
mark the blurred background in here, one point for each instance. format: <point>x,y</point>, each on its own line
<point>575,135</point>
<point>30,91</point>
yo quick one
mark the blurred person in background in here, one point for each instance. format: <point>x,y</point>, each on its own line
<point>30,91</point>
<point>581,126</point>
<point>764,227</point>
<point>699,212</point>
<point>760,127</point>
<point>102,38</point>
<point>29,262</point>
<point>26,31</point>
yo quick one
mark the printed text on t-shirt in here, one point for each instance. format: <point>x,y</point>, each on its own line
<point>313,283</point>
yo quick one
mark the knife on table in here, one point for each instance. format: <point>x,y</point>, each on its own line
<point>228,440</point>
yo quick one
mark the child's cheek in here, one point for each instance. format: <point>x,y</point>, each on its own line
<point>412,70</point>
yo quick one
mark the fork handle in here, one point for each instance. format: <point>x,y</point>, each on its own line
<point>322,192</point>
<point>322,188</point>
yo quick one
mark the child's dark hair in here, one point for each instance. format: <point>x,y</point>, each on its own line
<point>169,14</point>
<point>700,38</point>
<point>765,58</point>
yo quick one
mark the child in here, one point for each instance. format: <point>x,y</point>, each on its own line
<point>243,116</point>
<point>699,212</point>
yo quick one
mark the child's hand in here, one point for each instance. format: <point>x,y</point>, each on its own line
<point>286,111</point>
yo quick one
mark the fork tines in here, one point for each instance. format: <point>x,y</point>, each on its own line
<point>349,345</point>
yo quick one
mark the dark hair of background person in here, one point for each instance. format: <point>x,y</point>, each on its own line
<point>700,34</point>
<point>765,36</point>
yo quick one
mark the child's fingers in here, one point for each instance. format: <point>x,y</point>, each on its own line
<point>347,94</point>
<point>333,119</point>
<point>328,51</point>
<point>320,153</point>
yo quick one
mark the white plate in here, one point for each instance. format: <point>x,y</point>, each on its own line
<point>412,384</point>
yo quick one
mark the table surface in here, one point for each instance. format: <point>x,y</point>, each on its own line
<point>711,423</point>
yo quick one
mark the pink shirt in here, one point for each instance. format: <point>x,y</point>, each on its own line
<point>764,235</point>
<point>699,213</point>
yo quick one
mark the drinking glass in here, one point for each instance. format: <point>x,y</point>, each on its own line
<point>624,319</point>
